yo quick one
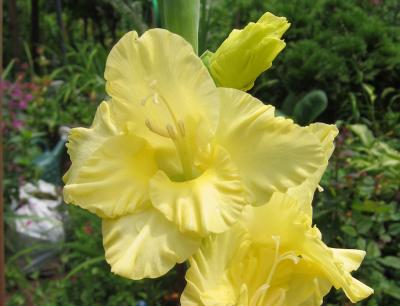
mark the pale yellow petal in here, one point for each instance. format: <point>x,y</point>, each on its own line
<point>207,204</point>
<point>157,78</point>
<point>82,142</point>
<point>272,153</point>
<point>208,278</point>
<point>335,270</point>
<point>306,287</point>
<point>350,258</point>
<point>304,192</point>
<point>281,217</point>
<point>114,180</point>
<point>145,245</point>
<point>294,228</point>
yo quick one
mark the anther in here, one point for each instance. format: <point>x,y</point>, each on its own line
<point>153,83</point>
<point>155,129</point>
<point>171,131</point>
<point>156,99</point>
<point>181,127</point>
<point>144,100</point>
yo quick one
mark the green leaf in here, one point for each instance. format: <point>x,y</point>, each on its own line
<point>394,229</point>
<point>349,230</point>
<point>370,90</point>
<point>310,107</point>
<point>390,261</point>
<point>354,107</point>
<point>361,243</point>
<point>364,226</point>
<point>393,290</point>
<point>373,249</point>
<point>372,206</point>
<point>289,104</point>
<point>363,133</point>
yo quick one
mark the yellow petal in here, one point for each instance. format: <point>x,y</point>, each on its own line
<point>295,228</point>
<point>145,245</point>
<point>114,180</point>
<point>350,258</point>
<point>304,192</point>
<point>307,287</point>
<point>335,270</point>
<point>284,218</point>
<point>207,204</point>
<point>208,279</point>
<point>82,142</point>
<point>276,258</point>
<point>272,153</point>
<point>158,79</point>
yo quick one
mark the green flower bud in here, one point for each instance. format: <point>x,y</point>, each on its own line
<point>246,53</point>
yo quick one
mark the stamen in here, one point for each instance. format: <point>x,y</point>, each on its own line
<point>156,99</point>
<point>320,188</point>
<point>258,294</point>
<point>153,83</point>
<point>144,100</point>
<point>262,290</point>
<point>291,256</point>
<point>209,148</point>
<point>181,127</point>
<point>155,129</point>
<point>171,131</point>
<point>175,129</point>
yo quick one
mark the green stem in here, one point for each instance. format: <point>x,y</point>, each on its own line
<point>182,17</point>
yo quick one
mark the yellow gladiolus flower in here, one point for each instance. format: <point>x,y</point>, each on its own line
<point>246,53</point>
<point>171,158</point>
<point>273,257</point>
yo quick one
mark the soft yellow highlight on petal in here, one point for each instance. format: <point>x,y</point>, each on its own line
<point>207,204</point>
<point>275,258</point>
<point>246,53</point>
<point>114,180</point>
<point>272,153</point>
<point>82,142</point>
<point>145,245</point>
<point>158,82</point>
<point>304,193</point>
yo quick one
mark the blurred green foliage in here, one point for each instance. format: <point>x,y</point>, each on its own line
<point>342,62</point>
<point>337,46</point>
<point>360,207</point>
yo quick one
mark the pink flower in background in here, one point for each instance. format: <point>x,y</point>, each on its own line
<point>17,96</point>
<point>28,97</point>
<point>16,92</point>
<point>4,85</point>
<point>23,104</point>
<point>17,124</point>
